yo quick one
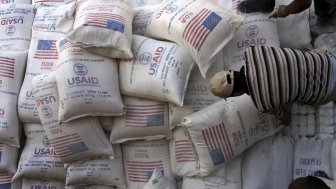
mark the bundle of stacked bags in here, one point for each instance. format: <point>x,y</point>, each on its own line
<point>104,94</point>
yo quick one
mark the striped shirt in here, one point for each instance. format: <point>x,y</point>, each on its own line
<point>276,76</point>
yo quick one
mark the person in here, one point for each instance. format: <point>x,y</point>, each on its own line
<point>308,182</point>
<point>275,77</point>
<point>251,6</point>
<point>320,180</point>
<point>294,7</point>
<point>323,8</point>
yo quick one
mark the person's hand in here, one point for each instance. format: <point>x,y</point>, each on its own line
<point>279,11</point>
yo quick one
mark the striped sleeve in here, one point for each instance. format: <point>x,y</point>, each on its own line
<point>276,76</point>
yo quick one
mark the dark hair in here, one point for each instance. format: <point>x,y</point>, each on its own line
<point>251,6</point>
<point>309,182</point>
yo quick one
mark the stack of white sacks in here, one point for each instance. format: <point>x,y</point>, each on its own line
<point>114,94</point>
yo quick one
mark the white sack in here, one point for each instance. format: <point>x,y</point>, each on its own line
<point>42,184</point>
<point>257,165</point>
<point>223,130</point>
<point>97,171</point>
<point>15,1</point>
<point>325,119</point>
<point>142,16</point>
<point>72,141</point>
<point>160,71</point>
<point>141,158</point>
<point>106,122</point>
<point>182,154</point>
<point>303,125</point>
<point>333,160</point>
<point>201,27</point>
<point>7,183</point>
<point>78,139</point>
<point>294,31</point>
<point>227,4</point>
<point>203,183</point>
<point>294,126</point>
<point>144,119</point>
<point>227,177</point>
<point>307,124</point>
<point>157,181</point>
<point>198,94</point>
<point>8,158</point>
<point>282,153</point>
<point>42,57</point>
<point>16,24</point>
<point>87,84</point>
<point>38,159</point>
<point>141,3</point>
<point>271,158</point>
<point>310,155</point>
<point>44,88</point>
<point>54,19</point>
<point>311,126</point>
<point>52,2</point>
<point>12,66</point>
<point>105,27</point>
<point>255,30</point>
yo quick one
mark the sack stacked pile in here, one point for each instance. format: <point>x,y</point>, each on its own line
<point>104,94</point>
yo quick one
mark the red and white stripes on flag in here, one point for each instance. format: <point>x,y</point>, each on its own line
<point>65,44</point>
<point>105,20</point>
<point>68,144</point>
<point>235,4</point>
<point>145,115</point>
<point>5,178</point>
<point>7,67</point>
<point>138,171</point>
<point>46,49</point>
<point>200,27</point>
<point>184,151</point>
<point>218,143</point>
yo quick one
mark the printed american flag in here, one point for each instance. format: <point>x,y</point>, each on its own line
<point>5,181</point>
<point>218,143</point>
<point>199,28</point>
<point>106,20</point>
<point>64,44</point>
<point>68,144</point>
<point>7,67</point>
<point>184,151</point>
<point>142,171</point>
<point>235,4</point>
<point>145,115</point>
<point>46,49</point>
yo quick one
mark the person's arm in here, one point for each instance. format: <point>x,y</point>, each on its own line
<point>294,7</point>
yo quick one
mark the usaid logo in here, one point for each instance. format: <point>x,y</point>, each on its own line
<point>44,181</point>
<point>2,112</point>
<point>170,9</point>
<point>46,111</point>
<point>254,129</point>
<point>80,69</point>
<point>46,142</point>
<point>144,58</point>
<point>252,31</point>
<point>10,30</point>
